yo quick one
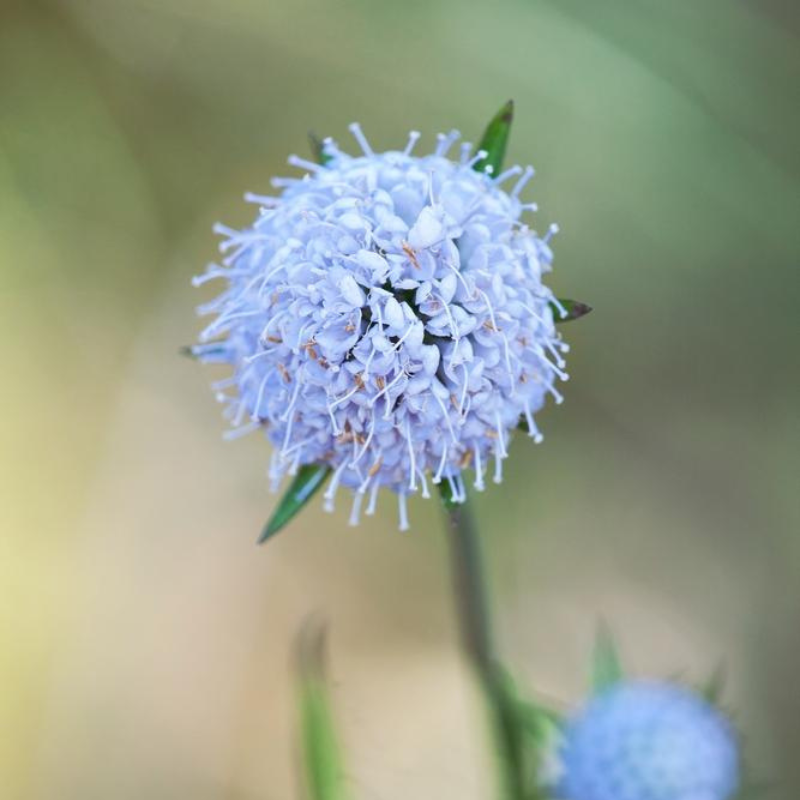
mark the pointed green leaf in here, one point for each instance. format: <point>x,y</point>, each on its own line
<point>321,756</point>
<point>307,481</point>
<point>318,149</point>
<point>567,310</point>
<point>495,140</point>
<point>606,665</point>
<point>713,688</point>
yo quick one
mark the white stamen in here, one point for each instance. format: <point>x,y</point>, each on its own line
<point>330,492</point>
<point>260,396</point>
<point>334,425</point>
<point>366,443</point>
<point>507,353</point>
<point>240,412</point>
<point>386,389</point>
<point>463,392</point>
<point>356,509</point>
<point>401,499</point>
<point>556,353</point>
<point>242,430</point>
<point>292,402</point>
<point>553,368</point>
<point>412,481</point>
<point>264,335</point>
<point>224,230</point>
<point>358,135</point>
<point>212,272</point>
<point>551,232</point>
<point>510,172</point>
<point>274,472</point>
<point>343,398</point>
<point>413,138</point>
<point>373,499</point>
<point>456,497</point>
<point>479,484</point>
<point>479,156</point>
<point>221,323</point>
<point>501,436</point>
<point>489,307</point>
<point>561,310</point>
<point>451,321</point>
<point>261,199</point>
<point>248,360</point>
<point>462,488</point>
<point>498,467</point>
<point>520,185</point>
<point>287,436</point>
<point>365,373</point>
<point>425,493</point>
<point>446,420</point>
<point>296,161</point>
<point>533,429</point>
<point>398,344</point>
<point>296,447</point>
<point>437,478</point>
<point>446,142</point>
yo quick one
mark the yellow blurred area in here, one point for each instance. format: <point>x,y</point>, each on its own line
<point>144,639</point>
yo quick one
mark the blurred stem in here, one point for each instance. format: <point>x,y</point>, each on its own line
<point>476,632</point>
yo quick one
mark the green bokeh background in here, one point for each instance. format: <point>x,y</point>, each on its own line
<point>144,640</point>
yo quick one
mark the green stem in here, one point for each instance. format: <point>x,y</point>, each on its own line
<point>476,633</point>
<point>470,588</point>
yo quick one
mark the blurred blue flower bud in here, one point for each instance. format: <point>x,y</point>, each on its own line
<point>648,741</point>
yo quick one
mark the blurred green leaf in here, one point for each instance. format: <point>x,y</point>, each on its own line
<point>318,149</point>
<point>321,757</point>
<point>714,686</point>
<point>306,483</point>
<point>570,310</point>
<point>495,140</point>
<point>527,732</point>
<point>606,666</point>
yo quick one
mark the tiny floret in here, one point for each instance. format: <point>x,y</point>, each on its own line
<point>649,741</point>
<point>385,316</point>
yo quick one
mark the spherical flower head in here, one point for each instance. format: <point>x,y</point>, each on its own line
<point>649,741</point>
<point>385,315</point>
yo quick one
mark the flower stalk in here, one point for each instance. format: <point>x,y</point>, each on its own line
<point>472,607</point>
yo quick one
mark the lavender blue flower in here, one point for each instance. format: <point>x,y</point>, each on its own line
<point>648,741</point>
<point>385,315</point>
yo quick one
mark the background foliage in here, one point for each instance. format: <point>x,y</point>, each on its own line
<point>145,639</point>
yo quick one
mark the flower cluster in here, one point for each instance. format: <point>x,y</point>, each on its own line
<point>649,741</point>
<point>385,315</point>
